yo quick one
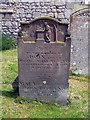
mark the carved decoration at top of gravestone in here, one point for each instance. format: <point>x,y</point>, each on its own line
<point>44,60</point>
<point>44,29</point>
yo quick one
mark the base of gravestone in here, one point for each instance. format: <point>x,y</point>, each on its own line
<point>15,85</point>
<point>64,101</point>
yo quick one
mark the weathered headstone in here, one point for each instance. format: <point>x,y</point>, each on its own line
<point>44,60</point>
<point>79,36</point>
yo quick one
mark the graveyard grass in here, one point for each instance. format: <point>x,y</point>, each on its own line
<point>16,107</point>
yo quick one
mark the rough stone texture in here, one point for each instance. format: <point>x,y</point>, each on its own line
<point>79,36</point>
<point>44,61</point>
<point>25,11</point>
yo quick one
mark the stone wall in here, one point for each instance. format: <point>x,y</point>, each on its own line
<point>13,13</point>
<point>26,11</point>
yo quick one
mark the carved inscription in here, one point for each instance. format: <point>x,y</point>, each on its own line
<point>44,58</point>
<point>43,66</point>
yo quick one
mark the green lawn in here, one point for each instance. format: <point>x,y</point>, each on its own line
<point>15,107</point>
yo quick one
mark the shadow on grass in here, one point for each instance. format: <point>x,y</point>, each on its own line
<point>10,94</point>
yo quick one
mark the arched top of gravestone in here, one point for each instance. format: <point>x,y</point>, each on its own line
<point>45,29</point>
<point>81,12</point>
<point>43,18</point>
<point>85,12</point>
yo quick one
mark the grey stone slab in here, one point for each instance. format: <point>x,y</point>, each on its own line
<point>44,61</point>
<point>79,36</point>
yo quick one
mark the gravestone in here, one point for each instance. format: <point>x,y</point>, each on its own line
<point>79,36</point>
<point>44,60</point>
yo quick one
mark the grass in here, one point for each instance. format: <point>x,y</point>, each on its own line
<point>16,107</point>
<point>9,66</point>
<point>6,42</point>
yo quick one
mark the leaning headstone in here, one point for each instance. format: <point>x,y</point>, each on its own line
<point>44,60</point>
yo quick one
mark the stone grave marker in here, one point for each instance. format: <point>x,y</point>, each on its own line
<point>44,60</point>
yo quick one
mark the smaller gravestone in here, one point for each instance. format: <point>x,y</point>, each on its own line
<point>44,60</point>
